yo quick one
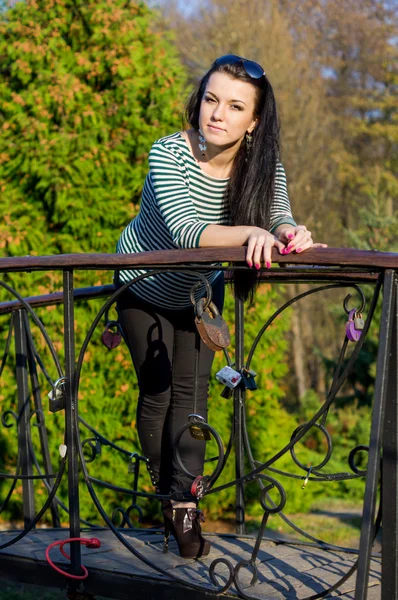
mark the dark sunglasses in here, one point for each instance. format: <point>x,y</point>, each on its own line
<point>252,68</point>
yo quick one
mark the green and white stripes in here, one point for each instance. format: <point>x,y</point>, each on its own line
<point>178,201</point>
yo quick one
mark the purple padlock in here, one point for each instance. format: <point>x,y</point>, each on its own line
<point>352,333</point>
<point>111,339</point>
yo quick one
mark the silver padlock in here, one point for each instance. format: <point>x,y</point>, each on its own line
<point>229,377</point>
<point>359,322</point>
<point>57,396</point>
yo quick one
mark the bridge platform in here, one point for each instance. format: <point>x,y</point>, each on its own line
<point>286,571</point>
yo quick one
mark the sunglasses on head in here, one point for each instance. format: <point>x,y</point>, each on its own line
<point>252,68</point>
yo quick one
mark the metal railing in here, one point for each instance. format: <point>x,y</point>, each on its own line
<point>331,268</point>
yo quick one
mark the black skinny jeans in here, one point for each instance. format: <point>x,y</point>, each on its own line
<point>162,346</point>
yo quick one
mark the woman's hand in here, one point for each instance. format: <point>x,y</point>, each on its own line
<point>259,246</point>
<point>296,239</point>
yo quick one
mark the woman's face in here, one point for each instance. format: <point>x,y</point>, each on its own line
<point>227,110</point>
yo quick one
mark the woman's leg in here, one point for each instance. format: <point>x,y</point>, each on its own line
<point>150,339</point>
<point>162,346</point>
<point>192,451</point>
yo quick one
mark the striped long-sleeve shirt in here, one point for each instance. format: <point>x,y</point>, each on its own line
<point>179,201</point>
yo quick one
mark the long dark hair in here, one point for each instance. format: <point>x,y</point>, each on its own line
<point>250,190</point>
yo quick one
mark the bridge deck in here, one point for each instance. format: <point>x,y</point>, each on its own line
<point>285,571</point>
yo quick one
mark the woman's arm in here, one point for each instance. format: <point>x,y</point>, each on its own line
<point>295,239</point>
<point>259,241</point>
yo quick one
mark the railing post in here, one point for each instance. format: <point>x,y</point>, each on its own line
<point>71,421</point>
<point>389,470</point>
<point>373,468</point>
<point>24,413</point>
<point>239,407</point>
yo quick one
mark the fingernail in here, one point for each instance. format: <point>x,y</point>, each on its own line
<point>257,266</point>
<point>249,263</point>
<point>268,265</point>
<point>298,250</point>
<point>288,248</point>
<point>290,236</point>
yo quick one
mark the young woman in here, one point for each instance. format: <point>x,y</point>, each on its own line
<point>219,183</point>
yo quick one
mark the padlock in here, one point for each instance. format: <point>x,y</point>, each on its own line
<point>352,333</point>
<point>227,393</point>
<point>211,326</point>
<point>111,339</point>
<point>197,432</point>
<point>229,377</point>
<point>248,379</point>
<point>359,322</point>
<point>57,396</point>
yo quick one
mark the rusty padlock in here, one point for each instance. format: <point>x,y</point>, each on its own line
<point>111,339</point>
<point>211,326</point>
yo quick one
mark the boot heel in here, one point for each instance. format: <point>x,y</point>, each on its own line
<point>184,524</point>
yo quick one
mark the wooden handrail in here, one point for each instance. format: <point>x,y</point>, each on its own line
<point>341,257</point>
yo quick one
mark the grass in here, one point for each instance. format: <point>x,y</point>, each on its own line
<point>335,522</point>
<point>18,591</point>
<point>329,529</point>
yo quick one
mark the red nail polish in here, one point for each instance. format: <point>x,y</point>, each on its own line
<point>257,266</point>
<point>298,250</point>
<point>249,263</point>
<point>268,265</point>
<point>290,236</point>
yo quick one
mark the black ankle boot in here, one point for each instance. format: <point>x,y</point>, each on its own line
<point>184,524</point>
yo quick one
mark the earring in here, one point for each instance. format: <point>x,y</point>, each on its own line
<point>202,143</point>
<point>249,142</point>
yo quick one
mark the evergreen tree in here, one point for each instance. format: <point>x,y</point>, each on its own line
<point>86,87</point>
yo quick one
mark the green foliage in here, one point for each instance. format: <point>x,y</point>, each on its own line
<point>86,88</point>
<point>270,425</point>
<point>348,427</point>
<point>376,229</point>
<point>107,401</point>
<point>266,418</point>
